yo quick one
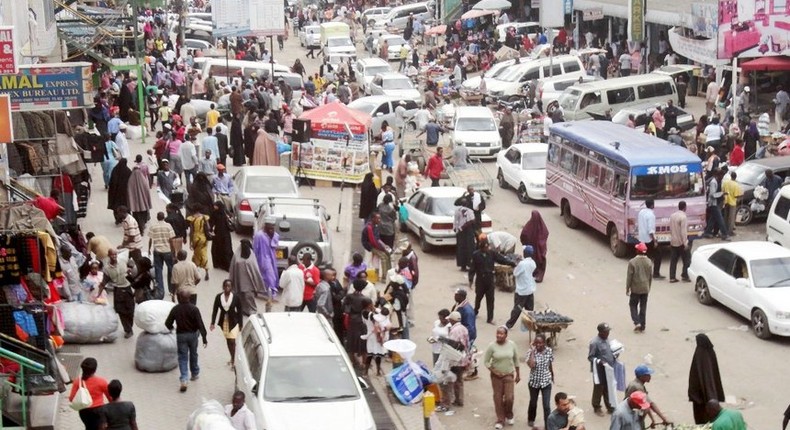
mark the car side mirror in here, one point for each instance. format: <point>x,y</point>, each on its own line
<point>362,383</point>
<point>284,226</point>
<point>254,389</point>
<point>742,282</point>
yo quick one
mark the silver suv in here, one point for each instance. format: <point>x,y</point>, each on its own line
<point>303,228</point>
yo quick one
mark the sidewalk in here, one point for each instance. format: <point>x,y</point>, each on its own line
<point>404,417</point>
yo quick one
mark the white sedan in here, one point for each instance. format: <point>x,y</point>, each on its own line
<point>395,85</point>
<point>394,43</point>
<point>751,278</point>
<point>431,212</point>
<point>523,168</point>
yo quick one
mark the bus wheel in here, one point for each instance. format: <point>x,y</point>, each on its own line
<point>570,220</point>
<point>618,247</point>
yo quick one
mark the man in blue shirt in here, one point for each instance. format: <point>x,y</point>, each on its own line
<point>210,143</point>
<point>646,222</point>
<point>114,125</point>
<point>432,132</point>
<point>524,296</point>
<point>222,185</point>
<point>463,307</point>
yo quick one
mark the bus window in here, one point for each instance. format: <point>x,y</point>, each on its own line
<point>593,172</point>
<point>621,182</point>
<point>579,166</point>
<point>666,186</point>
<point>553,153</point>
<point>606,179</point>
<point>620,95</point>
<point>567,160</point>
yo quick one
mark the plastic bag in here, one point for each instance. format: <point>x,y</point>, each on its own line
<point>156,352</point>
<point>209,416</point>
<point>150,315</point>
<point>88,322</point>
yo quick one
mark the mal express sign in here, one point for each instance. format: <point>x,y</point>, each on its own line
<point>49,86</point>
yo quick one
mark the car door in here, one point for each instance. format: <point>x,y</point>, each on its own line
<point>383,113</point>
<point>238,182</point>
<point>720,276</point>
<point>512,167</point>
<point>416,216</point>
<point>740,295</point>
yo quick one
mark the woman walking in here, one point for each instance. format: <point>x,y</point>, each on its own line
<point>367,198</point>
<point>109,159</point>
<point>501,359</point>
<point>541,378</point>
<point>227,305</point>
<point>464,228</point>
<point>118,414</point>
<point>97,387</point>
<point>536,234</point>
<point>246,280</point>
<point>222,246</point>
<point>118,194</point>
<point>353,305</point>
<point>704,378</point>
<point>198,239</point>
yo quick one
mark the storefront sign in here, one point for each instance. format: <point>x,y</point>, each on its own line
<point>592,14</point>
<point>705,19</point>
<point>8,53</point>
<point>49,86</point>
<point>636,25</point>
<point>749,29</point>
<point>6,128</point>
<point>700,50</point>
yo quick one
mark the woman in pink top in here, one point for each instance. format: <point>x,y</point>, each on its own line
<point>97,386</point>
<point>175,155</point>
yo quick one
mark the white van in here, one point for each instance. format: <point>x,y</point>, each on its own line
<point>615,94</point>
<point>476,128</point>
<point>367,68</point>
<point>777,225</point>
<point>398,16</point>
<point>510,81</point>
<point>295,373</point>
<point>222,68</point>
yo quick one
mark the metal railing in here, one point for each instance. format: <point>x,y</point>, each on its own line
<point>20,383</point>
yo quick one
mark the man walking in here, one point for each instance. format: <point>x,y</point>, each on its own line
<point>371,241</point>
<point>524,296</point>
<point>637,285</point>
<point>481,272</point>
<point>647,234</point>
<point>679,243</point>
<point>292,285</point>
<point>123,296</point>
<point>432,132</point>
<point>189,323</point>
<point>715,218</point>
<point>468,320</point>
<point>559,418</point>
<point>435,167</point>
<point>600,353</point>
<point>459,335</point>
<point>264,244</point>
<point>185,277</point>
<point>160,244</point>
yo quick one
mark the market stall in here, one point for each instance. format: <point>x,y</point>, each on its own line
<point>332,154</point>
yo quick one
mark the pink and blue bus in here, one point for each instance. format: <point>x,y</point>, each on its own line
<point>600,174</point>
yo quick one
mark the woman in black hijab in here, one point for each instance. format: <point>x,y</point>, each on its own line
<point>250,134</point>
<point>222,245</point>
<point>368,196</point>
<point>201,195</point>
<point>118,194</point>
<point>237,141</point>
<point>704,379</point>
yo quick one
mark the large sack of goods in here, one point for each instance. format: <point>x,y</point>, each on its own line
<point>209,416</point>
<point>88,323</point>
<point>150,315</point>
<point>156,352</point>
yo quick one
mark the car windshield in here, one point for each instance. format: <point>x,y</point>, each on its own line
<point>666,186</point>
<point>771,272</point>
<point>395,41</point>
<point>300,230</point>
<point>398,84</point>
<point>269,185</point>
<point>364,106</point>
<point>512,75</point>
<point>569,99</point>
<point>441,206</point>
<point>375,70</point>
<point>475,124</point>
<point>295,82</point>
<point>339,41</point>
<point>309,379</point>
<point>533,161</point>
<point>750,174</point>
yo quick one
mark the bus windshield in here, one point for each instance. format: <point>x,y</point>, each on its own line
<point>666,186</point>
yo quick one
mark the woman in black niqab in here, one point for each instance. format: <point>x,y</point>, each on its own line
<point>201,195</point>
<point>237,141</point>
<point>704,379</point>
<point>118,192</point>
<point>368,196</point>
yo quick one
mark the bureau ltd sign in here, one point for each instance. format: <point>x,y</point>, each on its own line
<point>49,86</point>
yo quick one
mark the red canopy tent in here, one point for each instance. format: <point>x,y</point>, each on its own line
<point>335,116</point>
<point>766,64</point>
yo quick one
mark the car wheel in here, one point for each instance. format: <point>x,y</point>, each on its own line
<point>424,245</point>
<point>743,215</point>
<point>618,247</point>
<point>501,179</point>
<point>760,324</point>
<point>570,220</point>
<point>523,195</point>
<point>703,292</point>
<point>304,248</point>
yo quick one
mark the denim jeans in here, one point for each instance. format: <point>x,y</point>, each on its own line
<point>532,410</point>
<point>715,217</point>
<point>187,344</point>
<point>309,304</point>
<point>161,259</point>
<point>638,316</point>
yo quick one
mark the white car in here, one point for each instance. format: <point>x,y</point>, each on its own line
<point>369,16</point>
<point>751,278</point>
<point>382,108</point>
<point>255,185</point>
<point>367,68</point>
<point>477,129</point>
<point>395,85</point>
<point>523,168</point>
<point>431,211</point>
<point>194,45</point>
<point>394,42</point>
<point>549,90</point>
<point>310,36</point>
<point>473,83</point>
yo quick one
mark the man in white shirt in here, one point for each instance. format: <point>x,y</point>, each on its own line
<point>422,117</point>
<point>625,64</point>
<point>189,160</point>
<point>241,418</point>
<point>121,143</point>
<point>292,285</point>
<point>524,296</point>
<point>646,222</point>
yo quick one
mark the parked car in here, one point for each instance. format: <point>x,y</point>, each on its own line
<point>382,108</point>
<point>254,185</point>
<point>193,45</point>
<point>395,85</point>
<point>370,16</point>
<point>496,69</point>
<point>523,168</point>
<point>431,212</point>
<point>303,228</point>
<point>750,278</point>
<point>367,68</point>
<point>750,175</point>
<point>399,15</point>
<point>310,36</point>
<point>778,224</point>
<point>394,42</point>
<point>295,373</point>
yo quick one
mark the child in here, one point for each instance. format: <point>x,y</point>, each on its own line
<point>153,165</point>
<point>378,325</point>
<point>164,114</point>
<point>91,284</point>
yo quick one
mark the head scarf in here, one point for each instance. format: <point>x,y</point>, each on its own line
<point>704,376</point>
<point>535,230</point>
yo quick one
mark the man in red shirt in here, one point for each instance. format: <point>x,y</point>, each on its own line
<point>312,276</point>
<point>49,205</point>
<point>736,155</point>
<point>435,167</point>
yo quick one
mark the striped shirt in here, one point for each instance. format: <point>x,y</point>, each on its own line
<point>132,238</point>
<point>160,234</point>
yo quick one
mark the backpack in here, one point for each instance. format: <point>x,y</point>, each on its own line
<point>365,241</point>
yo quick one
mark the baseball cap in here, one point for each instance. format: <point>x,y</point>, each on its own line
<point>454,316</point>
<point>641,247</point>
<point>640,399</point>
<point>603,327</point>
<point>528,250</point>
<point>643,370</point>
<point>220,166</point>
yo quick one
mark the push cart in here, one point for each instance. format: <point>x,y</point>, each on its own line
<point>474,175</point>
<point>548,322</point>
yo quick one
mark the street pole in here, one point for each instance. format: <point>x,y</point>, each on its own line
<point>138,69</point>
<point>734,89</point>
<point>227,63</point>
<point>271,55</point>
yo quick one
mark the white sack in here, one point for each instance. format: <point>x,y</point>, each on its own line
<point>150,315</point>
<point>88,322</point>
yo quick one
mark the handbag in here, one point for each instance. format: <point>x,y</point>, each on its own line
<point>82,398</point>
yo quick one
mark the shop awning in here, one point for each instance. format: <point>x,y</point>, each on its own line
<point>766,64</point>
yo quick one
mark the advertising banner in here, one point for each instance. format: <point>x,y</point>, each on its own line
<point>49,86</point>
<point>636,23</point>
<point>754,28</point>
<point>329,157</point>
<point>705,20</point>
<point>243,18</point>
<point>6,128</point>
<point>700,50</point>
<point>8,53</point>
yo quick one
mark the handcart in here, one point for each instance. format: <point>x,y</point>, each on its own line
<point>547,322</point>
<point>474,175</point>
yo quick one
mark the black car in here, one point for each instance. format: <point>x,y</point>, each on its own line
<point>751,174</point>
